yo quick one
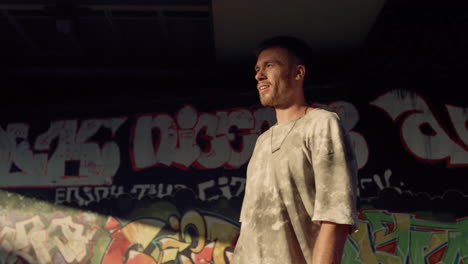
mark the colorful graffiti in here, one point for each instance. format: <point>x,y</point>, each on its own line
<point>160,233</point>
<point>422,133</point>
<point>77,158</point>
<point>167,187</point>
<point>177,142</point>
<point>395,238</point>
<point>349,115</point>
<point>69,154</point>
<point>61,236</point>
<point>223,139</point>
<point>157,234</point>
<point>194,238</point>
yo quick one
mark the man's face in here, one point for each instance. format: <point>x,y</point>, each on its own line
<point>274,74</point>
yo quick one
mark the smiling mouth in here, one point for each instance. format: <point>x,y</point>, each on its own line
<point>263,88</point>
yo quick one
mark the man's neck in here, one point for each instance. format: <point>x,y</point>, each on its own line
<point>292,112</point>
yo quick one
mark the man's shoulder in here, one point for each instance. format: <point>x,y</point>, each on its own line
<point>262,135</point>
<point>320,114</point>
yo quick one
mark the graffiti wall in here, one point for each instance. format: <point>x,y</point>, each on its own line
<point>166,186</point>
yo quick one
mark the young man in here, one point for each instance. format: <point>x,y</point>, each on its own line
<point>300,198</point>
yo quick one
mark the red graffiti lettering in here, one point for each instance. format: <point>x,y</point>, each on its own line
<point>422,134</point>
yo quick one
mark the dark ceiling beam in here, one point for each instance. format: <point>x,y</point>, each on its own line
<point>74,39</point>
<point>173,73</point>
<point>163,23</point>
<point>134,7</point>
<point>65,17</point>
<point>120,2</point>
<point>20,30</point>
<point>115,29</point>
<point>21,7</point>
<point>149,7</point>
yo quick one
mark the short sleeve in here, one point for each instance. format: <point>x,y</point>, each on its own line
<point>335,173</point>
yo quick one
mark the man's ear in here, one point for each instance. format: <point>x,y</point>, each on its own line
<point>300,72</point>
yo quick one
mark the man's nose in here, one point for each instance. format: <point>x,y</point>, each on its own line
<point>259,76</point>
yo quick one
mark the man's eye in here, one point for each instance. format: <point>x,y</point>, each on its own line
<point>269,64</point>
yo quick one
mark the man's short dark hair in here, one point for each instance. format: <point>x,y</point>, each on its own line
<point>297,47</point>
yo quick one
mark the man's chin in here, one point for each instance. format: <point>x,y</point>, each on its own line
<point>265,102</point>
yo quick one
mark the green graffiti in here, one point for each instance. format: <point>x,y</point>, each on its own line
<point>395,238</point>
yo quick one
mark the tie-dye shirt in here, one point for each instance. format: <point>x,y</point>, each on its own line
<point>301,172</point>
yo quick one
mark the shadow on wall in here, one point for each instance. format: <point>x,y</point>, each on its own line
<point>11,257</point>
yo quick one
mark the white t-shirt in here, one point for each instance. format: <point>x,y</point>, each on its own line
<point>301,172</point>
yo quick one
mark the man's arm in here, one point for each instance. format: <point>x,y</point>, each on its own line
<point>330,242</point>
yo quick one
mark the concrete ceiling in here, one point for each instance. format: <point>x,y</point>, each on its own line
<point>328,26</point>
<point>228,29</point>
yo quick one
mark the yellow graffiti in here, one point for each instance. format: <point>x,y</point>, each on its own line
<point>195,238</point>
<point>143,231</point>
<point>171,249</point>
<point>383,236</point>
<point>193,221</point>
<point>224,234</point>
<point>437,239</point>
<point>366,253</point>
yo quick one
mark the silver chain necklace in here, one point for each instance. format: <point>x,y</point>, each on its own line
<point>271,137</point>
